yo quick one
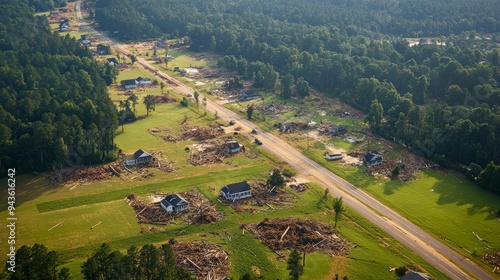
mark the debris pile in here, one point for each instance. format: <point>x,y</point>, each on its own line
<point>272,108</point>
<point>207,153</point>
<point>148,213</point>
<point>201,210</point>
<point>195,133</point>
<point>203,259</point>
<point>301,187</point>
<point>262,195</point>
<point>164,99</point>
<point>306,235</point>
<point>200,133</point>
<point>493,259</point>
<point>167,166</point>
<point>84,174</point>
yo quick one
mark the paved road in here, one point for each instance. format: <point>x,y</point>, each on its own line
<point>429,248</point>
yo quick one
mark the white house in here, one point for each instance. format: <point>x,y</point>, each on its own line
<point>236,191</point>
<point>138,157</point>
<point>174,203</point>
<point>373,158</point>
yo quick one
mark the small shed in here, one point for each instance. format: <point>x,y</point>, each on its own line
<point>138,157</point>
<point>174,203</point>
<point>373,158</point>
<point>236,191</point>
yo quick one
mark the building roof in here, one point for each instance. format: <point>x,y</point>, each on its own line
<point>173,200</point>
<point>112,60</point>
<point>372,156</point>
<point>413,275</point>
<point>236,187</point>
<point>232,145</point>
<point>128,82</point>
<point>139,153</point>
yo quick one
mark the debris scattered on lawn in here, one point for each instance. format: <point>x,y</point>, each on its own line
<point>198,133</point>
<point>493,259</point>
<point>203,259</point>
<point>200,211</point>
<point>84,174</point>
<point>261,196</point>
<point>300,187</point>
<point>306,235</point>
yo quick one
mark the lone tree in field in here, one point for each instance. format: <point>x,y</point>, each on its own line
<point>133,59</point>
<point>250,110</point>
<point>196,98</point>
<point>338,207</point>
<point>162,86</point>
<point>293,264</point>
<point>149,101</point>
<point>276,179</point>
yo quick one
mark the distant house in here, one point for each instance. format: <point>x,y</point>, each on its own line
<point>86,43</point>
<point>413,275</point>
<point>373,158</point>
<point>338,129</point>
<point>248,95</point>
<point>236,191</point>
<point>161,44</point>
<point>174,203</point>
<point>333,157</point>
<point>128,84</point>
<point>233,147</point>
<point>138,157</point>
<point>143,81</point>
<point>63,24</point>
<point>112,61</point>
<point>84,37</point>
<point>103,49</point>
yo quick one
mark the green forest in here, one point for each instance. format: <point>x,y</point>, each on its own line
<point>439,98</point>
<point>54,110</point>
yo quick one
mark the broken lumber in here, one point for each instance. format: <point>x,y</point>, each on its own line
<point>55,226</point>
<point>193,263</point>
<point>284,233</point>
<point>114,171</point>
<point>95,225</point>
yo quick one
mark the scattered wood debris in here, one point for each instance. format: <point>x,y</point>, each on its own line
<point>207,153</point>
<point>493,259</point>
<point>300,187</point>
<point>306,235</point>
<point>200,211</point>
<point>84,174</point>
<point>203,259</point>
<point>198,133</point>
<point>261,196</point>
<point>165,99</point>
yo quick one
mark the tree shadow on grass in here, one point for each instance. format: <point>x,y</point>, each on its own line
<point>459,191</point>
<point>29,187</point>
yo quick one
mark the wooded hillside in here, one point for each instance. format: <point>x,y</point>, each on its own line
<point>54,106</point>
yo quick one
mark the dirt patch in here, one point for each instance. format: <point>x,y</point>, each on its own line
<point>200,211</point>
<point>261,196</point>
<point>306,235</point>
<point>207,153</point>
<point>203,259</point>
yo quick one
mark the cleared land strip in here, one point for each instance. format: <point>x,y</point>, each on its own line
<point>54,205</point>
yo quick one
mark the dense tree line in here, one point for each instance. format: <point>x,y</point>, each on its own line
<point>47,5</point>
<point>54,103</point>
<point>35,262</point>
<point>440,99</point>
<point>146,263</point>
